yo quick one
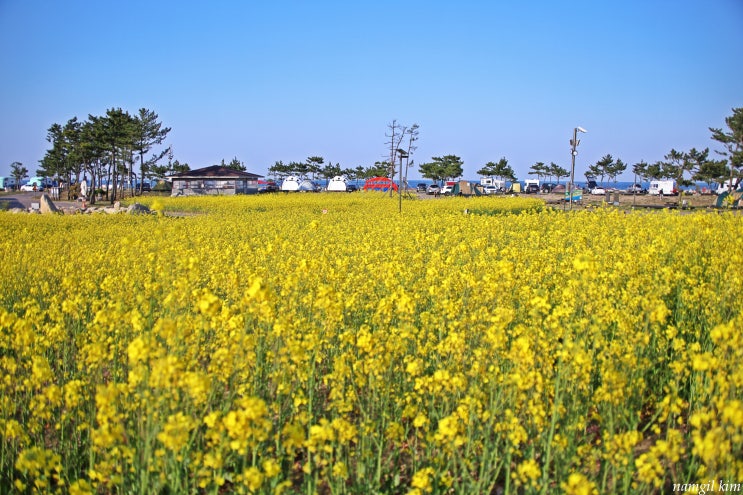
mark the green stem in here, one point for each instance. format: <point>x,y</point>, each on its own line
<point>508,473</point>
<point>553,423</point>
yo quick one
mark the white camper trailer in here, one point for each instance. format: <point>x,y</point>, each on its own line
<point>663,187</point>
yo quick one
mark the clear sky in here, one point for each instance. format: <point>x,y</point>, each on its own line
<point>283,80</point>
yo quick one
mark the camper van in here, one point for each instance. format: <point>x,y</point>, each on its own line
<point>7,183</point>
<point>723,188</point>
<point>663,187</point>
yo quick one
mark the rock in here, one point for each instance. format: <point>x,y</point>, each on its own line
<point>138,209</point>
<point>16,210</point>
<point>46,205</point>
<point>111,210</point>
<point>117,205</point>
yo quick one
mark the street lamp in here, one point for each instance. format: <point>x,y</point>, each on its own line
<point>573,152</point>
<point>402,154</point>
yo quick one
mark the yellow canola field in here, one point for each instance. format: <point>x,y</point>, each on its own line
<point>319,343</point>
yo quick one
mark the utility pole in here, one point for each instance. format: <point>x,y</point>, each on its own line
<point>402,154</point>
<point>573,153</point>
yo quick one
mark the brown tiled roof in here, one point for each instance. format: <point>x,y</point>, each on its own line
<point>215,172</point>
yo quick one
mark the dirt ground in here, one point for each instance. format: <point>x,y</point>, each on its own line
<point>23,200</point>
<point>640,200</point>
<point>694,201</point>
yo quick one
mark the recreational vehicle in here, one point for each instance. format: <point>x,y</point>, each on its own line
<point>663,187</point>
<point>724,187</point>
<point>7,183</point>
<point>39,182</point>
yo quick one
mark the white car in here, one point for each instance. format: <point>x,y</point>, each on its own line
<point>598,191</point>
<point>446,190</point>
<point>30,187</point>
<point>490,190</point>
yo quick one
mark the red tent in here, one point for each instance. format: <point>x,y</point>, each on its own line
<point>379,184</point>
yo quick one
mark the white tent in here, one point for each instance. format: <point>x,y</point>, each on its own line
<point>291,183</point>
<point>338,184</point>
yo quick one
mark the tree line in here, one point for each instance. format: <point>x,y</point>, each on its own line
<point>315,166</point>
<point>107,149</point>
<point>688,167</point>
<point>685,167</point>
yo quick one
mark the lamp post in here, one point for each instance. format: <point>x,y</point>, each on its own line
<point>573,152</point>
<point>402,154</point>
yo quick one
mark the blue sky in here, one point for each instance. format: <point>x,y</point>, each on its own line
<point>284,80</point>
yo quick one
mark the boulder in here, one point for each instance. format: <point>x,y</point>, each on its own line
<point>138,209</point>
<point>46,205</point>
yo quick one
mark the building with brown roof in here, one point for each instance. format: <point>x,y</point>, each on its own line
<point>214,181</point>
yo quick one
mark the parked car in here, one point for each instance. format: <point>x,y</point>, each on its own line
<point>30,187</point>
<point>267,186</point>
<point>636,189</point>
<point>490,190</point>
<point>447,190</point>
<point>531,189</point>
<point>146,187</point>
<point>351,187</point>
<point>421,188</point>
<point>591,184</point>
<point>547,187</point>
<point>433,189</point>
<point>598,191</point>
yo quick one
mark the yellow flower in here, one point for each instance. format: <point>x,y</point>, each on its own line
<point>176,431</point>
<point>81,487</point>
<point>527,473</point>
<point>207,303</point>
<point>252,478</point>
<point>257,345</point>
<point>422,480</point>
<point>578,484</point>
<point>137,351</point>
<point>271,468</point>
<point>420,420</point>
